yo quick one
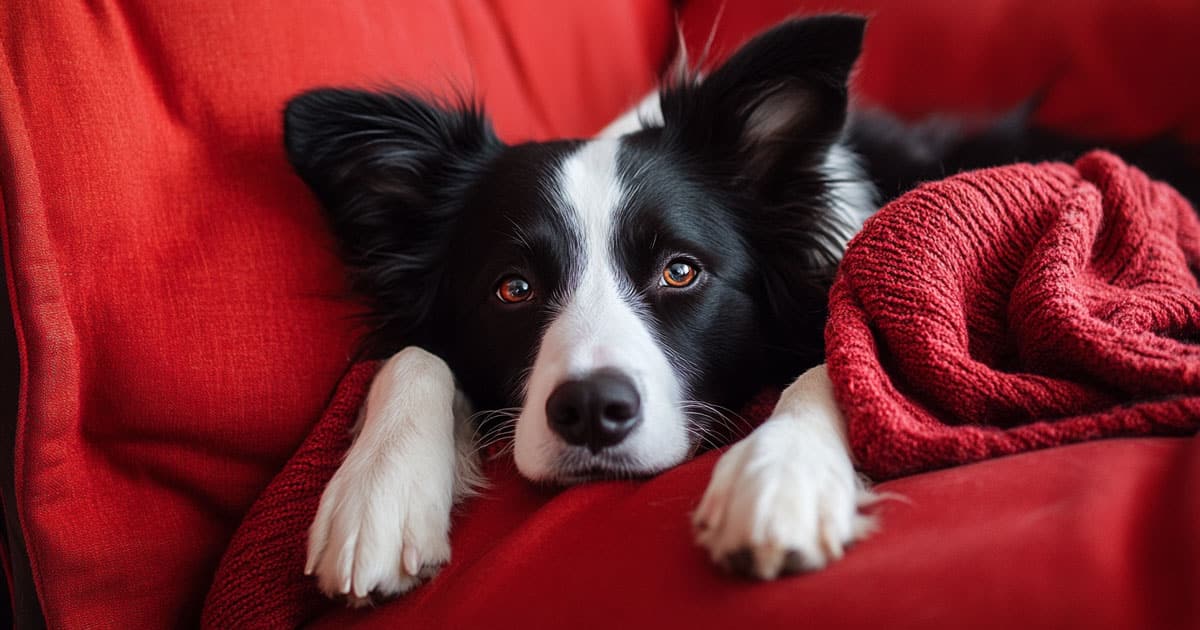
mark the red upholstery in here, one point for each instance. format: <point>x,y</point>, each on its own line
<point>1098,535</point>
<point>1027,541</point>
<point>178,299</point>
<point>177,308</point>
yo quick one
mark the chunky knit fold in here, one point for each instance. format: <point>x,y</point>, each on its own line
<point>1016,308</point>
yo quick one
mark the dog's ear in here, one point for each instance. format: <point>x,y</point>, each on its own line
<point>391,170</point>
<point>779,101</point>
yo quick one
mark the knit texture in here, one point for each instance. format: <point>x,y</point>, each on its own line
<point>260,582</point>
<point>992,313</point>
<point>1016,308</point>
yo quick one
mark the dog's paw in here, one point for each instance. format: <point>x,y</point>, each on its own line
<point>381,530</point>
<point>785,499</point>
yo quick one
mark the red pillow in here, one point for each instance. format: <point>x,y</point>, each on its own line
<point>180,309</point>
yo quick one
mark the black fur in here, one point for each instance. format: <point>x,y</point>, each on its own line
<point>900,156</point>
<point>432,210</point>
<point>392,171</point>
<point>509,225</point>
<point>753,135</point>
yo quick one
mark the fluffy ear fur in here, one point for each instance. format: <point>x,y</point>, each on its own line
<point>763,123</point>
<point>780,97</point>
<point>391,170</point>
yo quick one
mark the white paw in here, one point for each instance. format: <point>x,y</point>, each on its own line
<point>381,529</point>
<point>783,500</point>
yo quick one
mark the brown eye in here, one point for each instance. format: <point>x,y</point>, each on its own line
<point>514,289</point>
<point>678,274</point>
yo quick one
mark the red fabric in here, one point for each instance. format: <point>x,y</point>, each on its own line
<point>177,302</point>
<point>1110,68</point>
<point>263,558</point>
<point>1017,308</point>
<point>261,583</point>
<point>180,307</point>
<point>1097,535</point>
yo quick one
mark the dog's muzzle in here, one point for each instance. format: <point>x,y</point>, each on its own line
<point>596,411</point>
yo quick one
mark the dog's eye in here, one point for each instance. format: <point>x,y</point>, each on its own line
<point>514,289</point>
<point>678,274</point>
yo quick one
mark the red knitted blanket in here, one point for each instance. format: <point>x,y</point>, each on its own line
<point>994,312</point>
<point>1017,308</point>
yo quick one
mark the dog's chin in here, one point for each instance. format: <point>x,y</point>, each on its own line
<point>575,465</point>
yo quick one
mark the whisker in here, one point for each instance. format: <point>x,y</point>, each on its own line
<point>708,416</point>
<point>490,414</point>
<point>503,427</point>
<point>725,414</point>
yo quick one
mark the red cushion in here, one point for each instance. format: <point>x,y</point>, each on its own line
<point>178,299</point>
<point>1097,535</point>
<point>1023,541</point>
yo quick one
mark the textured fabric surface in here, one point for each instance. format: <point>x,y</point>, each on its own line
<point>181,310</point>
<point>260,581</point>
<point>1017,308</point>
<point>1096,535</point>
<point>178,304</point>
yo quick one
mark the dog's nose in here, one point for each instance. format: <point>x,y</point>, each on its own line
<point>596,411</point>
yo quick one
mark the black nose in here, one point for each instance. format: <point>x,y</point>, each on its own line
<point>596,411</point>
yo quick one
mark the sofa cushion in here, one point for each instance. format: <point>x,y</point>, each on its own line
<point>179,308</point>
<point>181,312</point>
<point>1096,535</point>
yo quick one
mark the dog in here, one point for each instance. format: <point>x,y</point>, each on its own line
<point>604,302</point>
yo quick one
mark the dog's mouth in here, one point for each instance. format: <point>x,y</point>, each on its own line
<point>576,468</point>
<point>598,473</point>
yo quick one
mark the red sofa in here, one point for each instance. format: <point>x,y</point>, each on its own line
<point>177,321</point>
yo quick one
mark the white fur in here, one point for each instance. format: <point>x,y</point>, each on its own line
<point>853,196</point>
<point>384,519</point>
<point>788,487</point>
<point>597,326</point>
<point>647,111</point>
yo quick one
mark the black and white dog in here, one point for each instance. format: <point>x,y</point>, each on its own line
<point>608,298</point>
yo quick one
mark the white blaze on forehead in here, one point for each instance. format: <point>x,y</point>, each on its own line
<point>591,192</point>
<point>598,326</point>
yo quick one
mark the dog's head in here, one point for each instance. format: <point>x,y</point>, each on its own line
<point>619,291</point>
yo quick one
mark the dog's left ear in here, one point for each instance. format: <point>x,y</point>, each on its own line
<point>782,97</point>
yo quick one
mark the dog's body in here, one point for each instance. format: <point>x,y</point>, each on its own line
<point>609,297</point>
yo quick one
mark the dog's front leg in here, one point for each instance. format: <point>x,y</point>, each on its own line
<point>383,523</point>
<point>786,498</point>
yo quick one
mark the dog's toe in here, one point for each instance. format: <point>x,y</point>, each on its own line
<point>767,562</point>
<point>378,534</point>
<point>778,505</point>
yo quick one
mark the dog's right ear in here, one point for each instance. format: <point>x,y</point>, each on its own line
<point>391,170</point>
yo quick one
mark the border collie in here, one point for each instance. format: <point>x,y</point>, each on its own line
<point>603,302</point>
